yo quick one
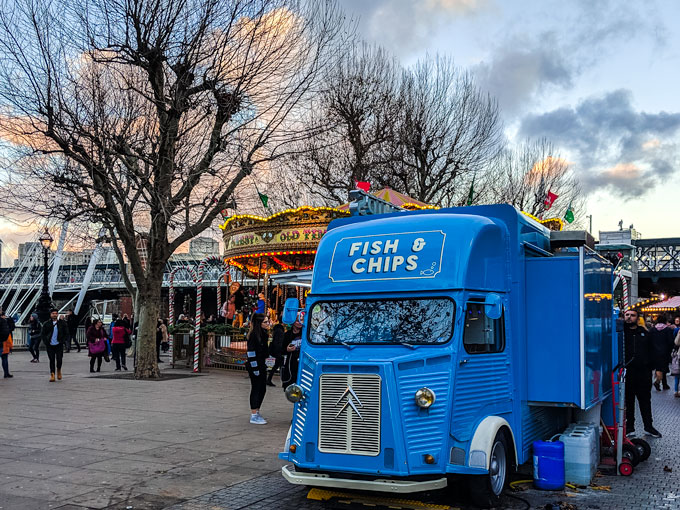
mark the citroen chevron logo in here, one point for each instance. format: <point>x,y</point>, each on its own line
<point>352,401</point>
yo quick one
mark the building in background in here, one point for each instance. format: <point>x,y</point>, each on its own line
<point>201,247</point>
<point>33,251</point>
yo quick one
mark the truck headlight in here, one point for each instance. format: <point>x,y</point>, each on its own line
<point>294,393</point>
<point>425,397</point>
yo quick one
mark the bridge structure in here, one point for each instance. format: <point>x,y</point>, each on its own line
<point>20,287</point>
<point>648,265</point>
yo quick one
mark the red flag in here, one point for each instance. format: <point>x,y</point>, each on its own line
<point>549,200</point>
<point>366,186</point>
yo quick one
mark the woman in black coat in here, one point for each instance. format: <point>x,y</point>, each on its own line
<point>661,339</point>
<point>257,369</point>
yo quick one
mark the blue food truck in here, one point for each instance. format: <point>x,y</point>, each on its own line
<point>440,344</point>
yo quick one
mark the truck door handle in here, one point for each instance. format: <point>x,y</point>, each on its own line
<point>463,361</point>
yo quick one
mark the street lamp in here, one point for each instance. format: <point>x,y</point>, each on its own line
<point>45,303</point>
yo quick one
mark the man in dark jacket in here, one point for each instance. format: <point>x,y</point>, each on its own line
<point>291,341</point>
<point>72,323</point>
<point>54,336</point>
<point>276,350</point>
<point>638,366</point>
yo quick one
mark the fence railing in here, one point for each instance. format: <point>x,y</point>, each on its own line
<point>20,337</point>
<point>216,351</point>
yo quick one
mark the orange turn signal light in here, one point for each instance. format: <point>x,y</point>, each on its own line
<point>292,448</point>
<point>429,459</point>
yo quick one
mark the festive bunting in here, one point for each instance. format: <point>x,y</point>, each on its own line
<point>549,200</point>
<point>366,186</point>
<point>264,198</point>
<point>471,193</point>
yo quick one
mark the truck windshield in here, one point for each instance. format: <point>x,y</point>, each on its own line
<point>394,321</point>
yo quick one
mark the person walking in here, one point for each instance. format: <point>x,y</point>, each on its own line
<point>257,369</point>
<point>120,334</point>
<point>661,338</point>
<point>291,342</point>
<point>34,334</point>
<point>96,344</point>
<point>72,323</point>
<point>6,328</point>
<point>276,350</point>
<point>161,338</point>
<point>638,357</point>
<point>54,336</point>
<point>675,362</point>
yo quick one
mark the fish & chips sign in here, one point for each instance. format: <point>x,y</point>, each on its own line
<point>406,255</point>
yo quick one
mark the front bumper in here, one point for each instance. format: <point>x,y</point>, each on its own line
<point>379,485</point>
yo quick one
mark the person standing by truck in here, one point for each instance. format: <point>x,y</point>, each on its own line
<point>637,347</point>
<point>291,341</point>
<point>257,368</point>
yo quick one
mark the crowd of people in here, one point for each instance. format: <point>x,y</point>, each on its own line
<point>103,343</point>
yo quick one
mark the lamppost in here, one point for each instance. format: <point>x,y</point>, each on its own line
<point>45,303</point>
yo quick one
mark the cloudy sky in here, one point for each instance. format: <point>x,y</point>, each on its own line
<point>599,79</point>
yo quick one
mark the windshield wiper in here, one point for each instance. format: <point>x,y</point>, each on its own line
<point>410,346</point>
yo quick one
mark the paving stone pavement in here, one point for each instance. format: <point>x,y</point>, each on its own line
<point>186,444</point>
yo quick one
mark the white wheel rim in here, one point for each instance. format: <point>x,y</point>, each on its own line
<point>497,468</point>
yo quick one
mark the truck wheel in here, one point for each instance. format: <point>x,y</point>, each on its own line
<point>643,448</point>
<point>486,490</point>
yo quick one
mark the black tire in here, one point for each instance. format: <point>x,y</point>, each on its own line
<point>630,452</point>
<point>643,448</point>
<point>486,490</point>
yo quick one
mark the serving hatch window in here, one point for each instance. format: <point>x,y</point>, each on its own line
<point>393,321</point>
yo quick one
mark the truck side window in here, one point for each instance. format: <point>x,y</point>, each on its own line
<point>482,334</point>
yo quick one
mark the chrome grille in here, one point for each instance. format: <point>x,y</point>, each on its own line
<point>349,414</point>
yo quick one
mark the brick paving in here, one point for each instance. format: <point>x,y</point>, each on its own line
<point>185,444</point>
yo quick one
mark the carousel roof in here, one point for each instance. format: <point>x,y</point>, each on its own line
<point>667,305</point>
<point>396,198</point>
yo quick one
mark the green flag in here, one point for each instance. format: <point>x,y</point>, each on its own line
<point>264,199</point>
<point>569,215</point>
<point>471,194</point>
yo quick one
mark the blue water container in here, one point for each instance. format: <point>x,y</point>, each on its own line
<point>549,465</point>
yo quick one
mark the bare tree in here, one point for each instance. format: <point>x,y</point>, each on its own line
<point>145,116</point>
<point>523,176</point>
<point>448,130</point>
<point>354,120</point>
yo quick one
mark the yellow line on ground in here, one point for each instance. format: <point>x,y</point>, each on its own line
<point>397,503</point>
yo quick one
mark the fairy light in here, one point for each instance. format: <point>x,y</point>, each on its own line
<point>546,221</point>
<point>287,211</point>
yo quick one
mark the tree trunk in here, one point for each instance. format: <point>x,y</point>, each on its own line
<point>149,311</point>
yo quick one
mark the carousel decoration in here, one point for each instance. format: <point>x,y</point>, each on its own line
<point>551,223</point>
<point>285,241</point>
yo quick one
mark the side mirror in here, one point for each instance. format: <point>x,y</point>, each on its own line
<point>493,306</point>
<point>290,310</point>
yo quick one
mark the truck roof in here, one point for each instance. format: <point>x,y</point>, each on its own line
<point>455,248</point>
